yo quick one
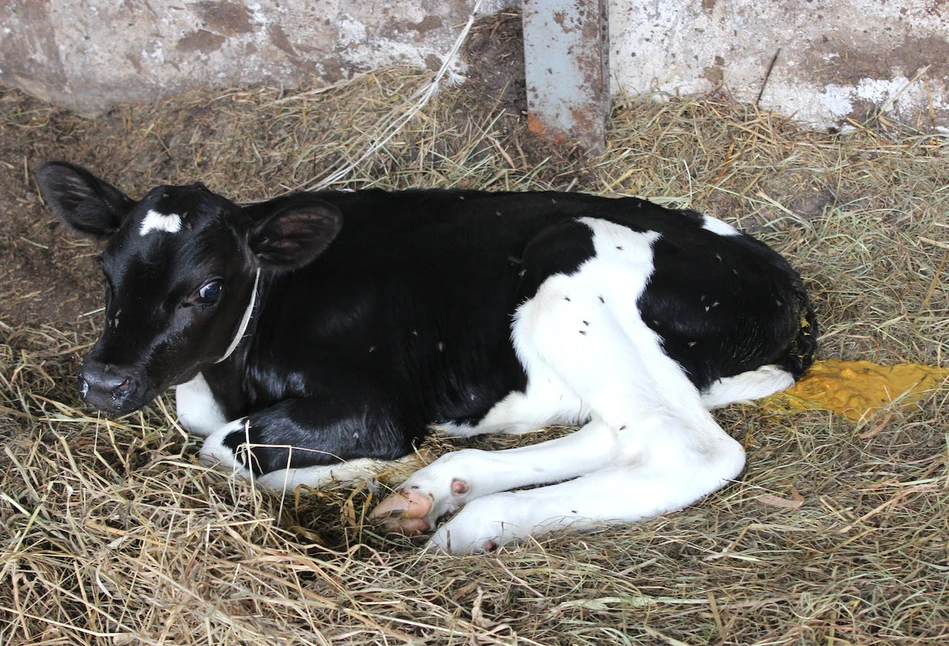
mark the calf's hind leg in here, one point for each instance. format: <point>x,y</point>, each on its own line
<point>456,478</point>
<point>665,474</point>
<point>649,431</point>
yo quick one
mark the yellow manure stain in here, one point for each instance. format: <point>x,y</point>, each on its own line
<point>856,389</point>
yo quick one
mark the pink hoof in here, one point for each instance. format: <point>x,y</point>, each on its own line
<point>404,512</point>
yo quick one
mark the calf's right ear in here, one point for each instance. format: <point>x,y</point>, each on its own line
<point>291,231</point>
<point>81,200</point>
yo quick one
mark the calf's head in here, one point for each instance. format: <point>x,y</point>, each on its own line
<point>182,268</point>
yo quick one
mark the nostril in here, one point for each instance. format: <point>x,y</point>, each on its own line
<point>98,381</point>
<point>122,389</point>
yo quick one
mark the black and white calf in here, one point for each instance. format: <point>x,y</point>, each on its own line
<point>310,334</point>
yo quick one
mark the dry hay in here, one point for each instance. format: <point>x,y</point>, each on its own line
<point>112,532</point>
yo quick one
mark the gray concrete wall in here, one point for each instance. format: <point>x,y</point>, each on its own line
<point>89,54</point>
<point>837,59</point>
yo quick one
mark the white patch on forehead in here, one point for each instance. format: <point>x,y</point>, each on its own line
<point>717,226</point>
<point>155,221</point>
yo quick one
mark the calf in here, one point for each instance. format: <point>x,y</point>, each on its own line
<point>311,333</point>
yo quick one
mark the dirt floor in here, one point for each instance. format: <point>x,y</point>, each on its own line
<point>112,532</point>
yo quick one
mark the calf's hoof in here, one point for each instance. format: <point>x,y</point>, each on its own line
<point>404,512</point>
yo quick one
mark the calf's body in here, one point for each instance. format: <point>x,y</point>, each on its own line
<point>311,332</point>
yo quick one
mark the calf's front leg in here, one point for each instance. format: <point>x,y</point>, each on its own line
<point>305,441</point>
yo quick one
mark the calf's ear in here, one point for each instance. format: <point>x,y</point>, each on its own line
<point>291,232</point>
<point>81,200</point>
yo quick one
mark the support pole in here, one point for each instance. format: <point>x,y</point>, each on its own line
<point>566,51</point>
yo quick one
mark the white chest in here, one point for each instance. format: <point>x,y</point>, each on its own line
<point>198,410</point>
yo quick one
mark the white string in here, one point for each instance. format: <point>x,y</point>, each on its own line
<point>244,321</point>
<point>422,95</point>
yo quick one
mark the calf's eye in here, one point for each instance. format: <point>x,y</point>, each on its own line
<point>210,291</point>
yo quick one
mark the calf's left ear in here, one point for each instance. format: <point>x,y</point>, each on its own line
<point>291,232</point>
<point>81,200</point>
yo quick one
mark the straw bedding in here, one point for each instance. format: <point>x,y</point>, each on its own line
<point>112,532</point>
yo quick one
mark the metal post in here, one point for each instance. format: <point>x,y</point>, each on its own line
<point>566,50</point>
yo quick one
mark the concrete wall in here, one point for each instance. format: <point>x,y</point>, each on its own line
<point>89,54</point>
<point>837,58</point>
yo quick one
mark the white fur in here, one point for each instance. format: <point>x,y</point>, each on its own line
<point>321,476</point>
<point>155,221</point>
<point>213,452</point>
<point>717,226</point>
<point>198,410</point>
<point>650,446</point>
<point>754,384</point>
<point>547,401</point>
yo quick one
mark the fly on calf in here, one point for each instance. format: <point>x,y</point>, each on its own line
<point>311,334</point>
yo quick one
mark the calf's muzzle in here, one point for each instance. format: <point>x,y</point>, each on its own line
<point>106,386</point>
